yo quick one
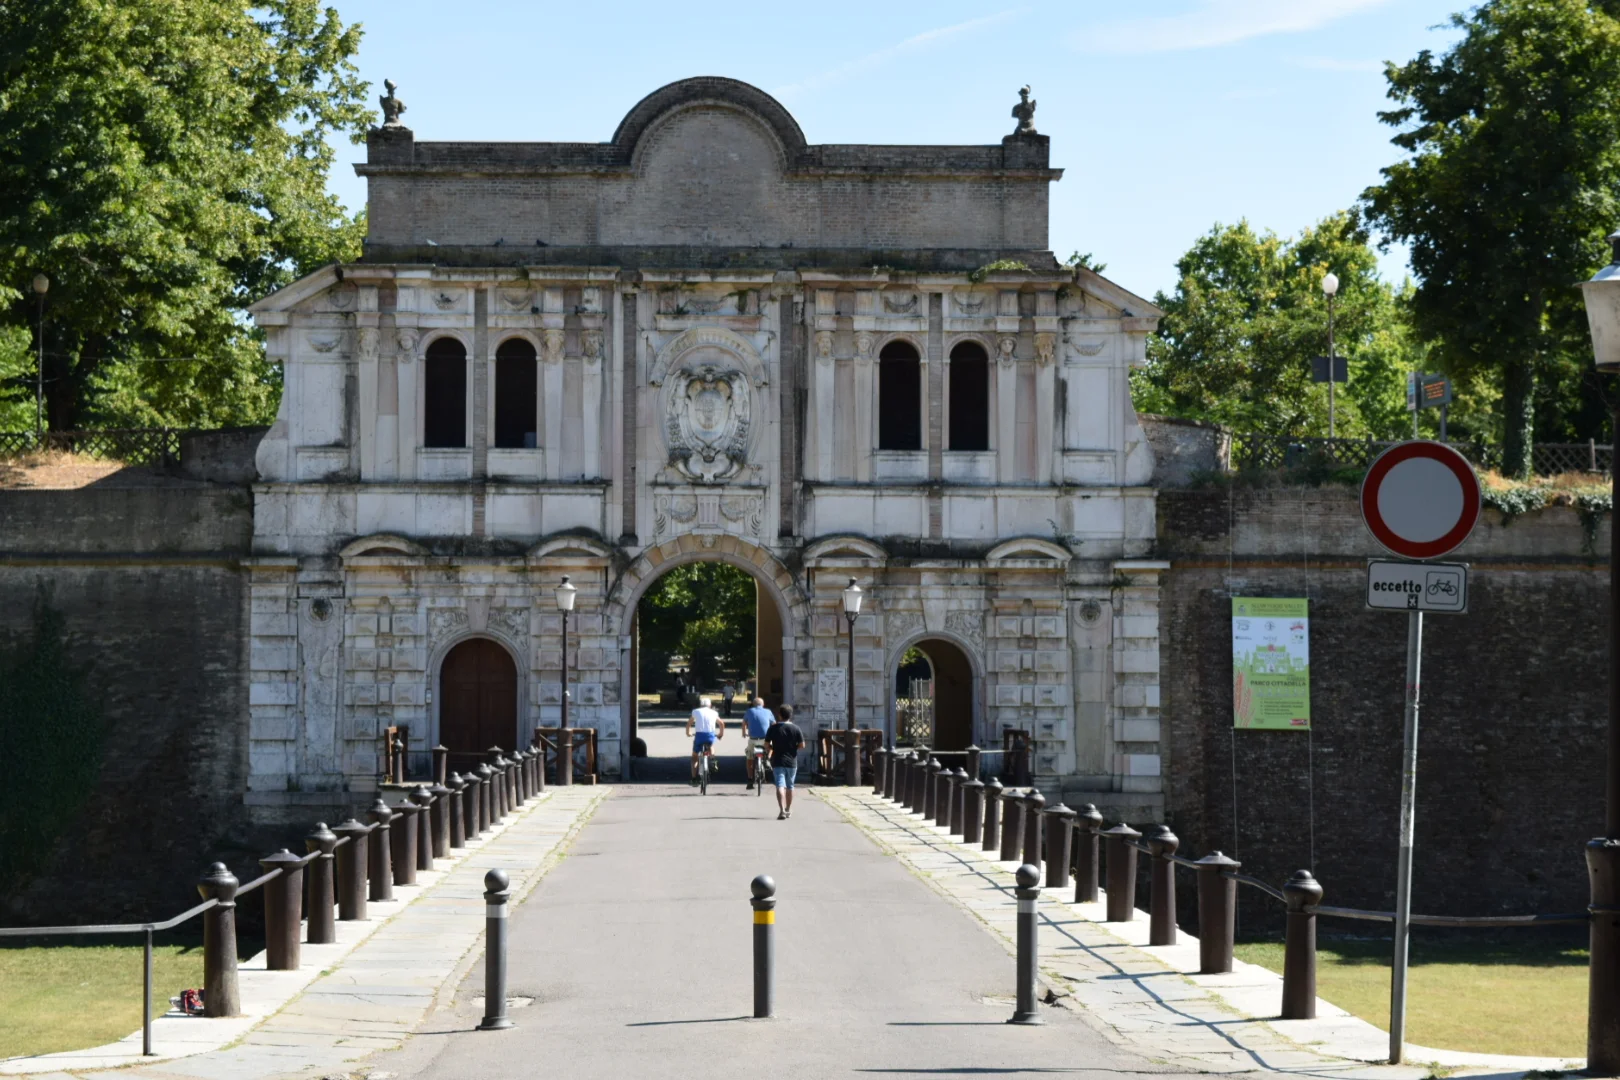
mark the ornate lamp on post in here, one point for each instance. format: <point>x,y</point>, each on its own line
<point>1330,288</point>
<point>565,738</point>
<point>42,285</point>
<point>852,743</point>
<point>1602,296</point>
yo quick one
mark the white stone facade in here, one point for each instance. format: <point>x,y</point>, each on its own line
<point>707,386</point>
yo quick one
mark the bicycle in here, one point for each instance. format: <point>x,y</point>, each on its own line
<point>761,770</point>
<point>703,774</point>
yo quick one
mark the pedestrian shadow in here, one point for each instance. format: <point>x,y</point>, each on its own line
<point>667,1023</point>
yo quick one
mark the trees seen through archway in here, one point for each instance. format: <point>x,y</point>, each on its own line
<point>703,613</point>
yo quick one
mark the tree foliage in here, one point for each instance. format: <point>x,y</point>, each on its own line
<point>1511,183</point>
<point>164,162</point>
<point>1236,341</point>
<point>703,612</point>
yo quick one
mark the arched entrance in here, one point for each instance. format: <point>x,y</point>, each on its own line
<point>478,701</point>
<point>956,689</point>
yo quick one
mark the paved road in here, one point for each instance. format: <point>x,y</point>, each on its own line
<point>636,951</point>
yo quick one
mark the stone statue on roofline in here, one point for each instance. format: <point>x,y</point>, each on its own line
<point>1024,113</point>
<point>392,107</point>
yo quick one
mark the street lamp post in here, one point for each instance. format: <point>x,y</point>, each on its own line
<point>42,285</point>
<point>565,738</point>
<point>852,747</point>
<point>1602,296</point>
<point>1330,287</point>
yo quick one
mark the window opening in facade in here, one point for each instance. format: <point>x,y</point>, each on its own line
<point>899,398</point>
<point>444,416</point>
<point>970,398</point>
<point>516,395</point>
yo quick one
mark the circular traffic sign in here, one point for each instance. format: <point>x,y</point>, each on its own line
<point>1420,499</point>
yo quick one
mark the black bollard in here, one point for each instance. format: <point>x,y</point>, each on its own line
<point>959,780</point>
<point>879,762</point>
<point>1057,845</point>
<point>381,847</point>
<point>1086,824</point>
<point>975,757</point>
<point>1217,913</point>
<point>457,801</point>
<point>1012,804</point>
<point>565,755</point>
<point>1299,947</point>
<point>1121,862</point>
<point>322,929</point>
<point>496,894</point>
<point>1028,892</point>
<point>497,786</point>
<point>972,810</point>
<point>930,809</point>
<point>538,756</point>
<point>351,871</point>
<point>222,995</point>
<point>441,763</point>
<point>990,834</point>
<point>764,905</point>
<point>1034,803</point>
<point>943,790</point>
<point>1162,844</point>
<point>283,904</point>
<point>402,843</point>
<point>423,798</point>
<point>439,814</point>
<point>485,820</point>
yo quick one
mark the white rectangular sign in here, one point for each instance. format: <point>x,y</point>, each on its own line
<point>1414,586</point>
<point>832,696</point>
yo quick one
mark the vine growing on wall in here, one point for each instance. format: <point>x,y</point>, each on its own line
<point>52,734</point>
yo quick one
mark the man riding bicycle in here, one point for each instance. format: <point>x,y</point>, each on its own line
<point>705,728</point>
<point>756,721</point>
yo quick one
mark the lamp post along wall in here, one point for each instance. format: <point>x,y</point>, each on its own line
<point>1330,286</point>
<point>565,738</point>
<point>852,743</point>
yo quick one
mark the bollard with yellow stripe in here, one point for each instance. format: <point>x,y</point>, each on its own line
<point>764,904</point>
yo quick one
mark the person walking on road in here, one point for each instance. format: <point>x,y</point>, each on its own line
<point>704,727</point>
<point>756,722</point>
<point>727,693</point>
<point>785,740</point>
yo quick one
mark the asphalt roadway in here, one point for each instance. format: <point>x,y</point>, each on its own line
<point>636,952</point>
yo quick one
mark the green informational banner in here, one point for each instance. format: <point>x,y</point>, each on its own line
<point>1271,664</point>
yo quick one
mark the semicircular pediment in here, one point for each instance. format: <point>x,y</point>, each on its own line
<point>711,91</point>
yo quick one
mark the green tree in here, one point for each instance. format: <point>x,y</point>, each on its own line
<point>164,162</point>
<point>703,612</point>
<point>1514,144</point>
<point>1236,341</point>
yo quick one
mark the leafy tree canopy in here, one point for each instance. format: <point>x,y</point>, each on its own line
<point>164,163</point>
<point>1236,341</point>
<point>705,613</point>
<point>1510,186</point>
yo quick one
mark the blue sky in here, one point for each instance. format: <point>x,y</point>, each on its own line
<point>1199,111</point>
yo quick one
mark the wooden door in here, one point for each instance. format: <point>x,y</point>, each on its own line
<point>477,701</point>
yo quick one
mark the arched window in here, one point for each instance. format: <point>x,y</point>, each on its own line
<point>899,398</point>
<point>444,386</point>
<point>970,398</point>
<point>516,385</point>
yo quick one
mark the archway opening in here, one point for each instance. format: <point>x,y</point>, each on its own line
<point>478,706</point>
<point>700,629</point>
<point>934,692</point>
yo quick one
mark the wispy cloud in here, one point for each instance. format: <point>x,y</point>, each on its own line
<point>928,39</point>
<point>1331,63</point>
<point>1211,23</point>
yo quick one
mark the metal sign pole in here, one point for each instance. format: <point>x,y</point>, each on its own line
<point>1403,879</point>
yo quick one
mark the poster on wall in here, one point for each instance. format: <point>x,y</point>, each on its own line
<point>1271,664</point>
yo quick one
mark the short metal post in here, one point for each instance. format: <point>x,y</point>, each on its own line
<point>485,818</point>
<point>402,843</point>
<point>1299,947</point>
<point>497,789</point>
<point>959,780</point>
<point>520,777</point>
<point>351,871</point>
<point>990,838</point>
<point>514,789</point>
<point>931,789</point>
<point>283,901</point>
<point>456,803</point>
<point>322,928</point>
<point>908,784</point>
<point>879,770</point>
<point>565,752</point>
<point>1034,803</point>
<point>222,996</point>
<point>146,995</point>
<point>439,813</point>
<point>539,769</point>
<point>1121,861</point>
<point>1057,845</point>
<point>1028,892</point>
<point>975,759</point>
<point>942,796</point>
<point>972,810</point>
<point>441,764</point>
<point>1012,805</point>
<point>1162,844</point>
<point>496,894</point>
<point>891,767</point>
<point>1217,913</point>
<point>764,905</point>
<point>423,798</point>
<point>1086,823</point>
<point>381,815</point>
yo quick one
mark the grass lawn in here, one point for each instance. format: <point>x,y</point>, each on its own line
<point>1522,996</point>
<point>71,997</point>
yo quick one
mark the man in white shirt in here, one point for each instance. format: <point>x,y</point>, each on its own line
<point>705,727</point>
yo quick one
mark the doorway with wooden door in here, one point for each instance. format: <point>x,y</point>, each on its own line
<point>478,702</point>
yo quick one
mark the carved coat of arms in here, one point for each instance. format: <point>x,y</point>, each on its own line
<point>707,425</point>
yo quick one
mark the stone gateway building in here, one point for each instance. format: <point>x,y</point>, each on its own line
<point>704,339</point>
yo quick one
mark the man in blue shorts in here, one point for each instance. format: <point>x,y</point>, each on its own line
<point>704,727</point>
<point>756,722</point>
<point>784,739</point>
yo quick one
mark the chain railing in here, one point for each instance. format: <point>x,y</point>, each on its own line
<point>136,446</point>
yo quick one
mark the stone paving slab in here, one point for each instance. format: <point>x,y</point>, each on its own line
<point>362,994</point>
<point>1151,998</point>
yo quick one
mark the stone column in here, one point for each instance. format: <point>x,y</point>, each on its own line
<point>823,423</point>
<point>1006,435</point>
<point>591,348</point>
<point>551,381</point>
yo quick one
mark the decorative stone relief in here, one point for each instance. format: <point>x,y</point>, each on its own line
<point>342,298</point>
<point>444,299</point>
<point>900,303</point>
<point>445,623</point>
<point>324,342</point>
<point>745,511</point>
<point>1089,348</point>
<point>902,624</point>
<point>591,343</point>
<point>407,337</point>
<point>369,340</point>
<point>513,623</point>
<point>1045,348</point>
<point>863,345</point>
<point>681,509</point>
<point>969,304</point>
<point>968,625</point>
<point>1005,346</point>
<point>515,299</point>
<point>707,423</point>
<point>824,347</point>
<point>551,342</point>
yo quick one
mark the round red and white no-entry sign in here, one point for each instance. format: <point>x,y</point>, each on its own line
<point>1420,499</point>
